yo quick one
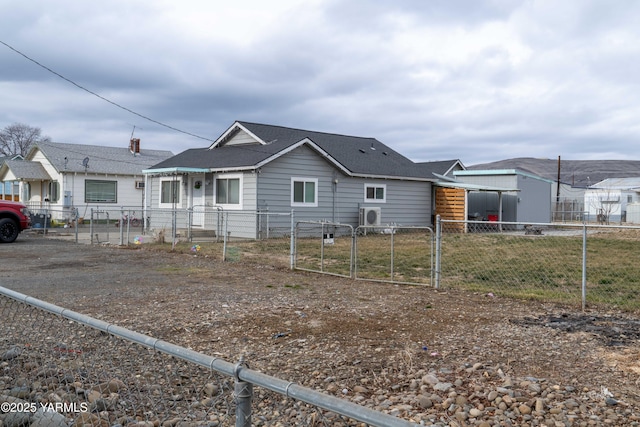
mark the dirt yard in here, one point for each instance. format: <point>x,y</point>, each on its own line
<point>442,357</point>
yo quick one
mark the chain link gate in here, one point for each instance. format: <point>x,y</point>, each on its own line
<point>324,247</point>
<point>395,254</point>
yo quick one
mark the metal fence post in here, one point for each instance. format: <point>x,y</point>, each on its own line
<point>438,253</point>
<point>322,247</point>
<point>224,237</point>
<point>292,243</point>
<point>352,261</point>
<point>393,252</point>
<point>75,222</point>
<point>243,395</point>
<point>91,226</point>
<point>584,266</point>
<point>120,221</point>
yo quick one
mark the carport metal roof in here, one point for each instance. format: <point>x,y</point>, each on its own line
<point>475,187</point>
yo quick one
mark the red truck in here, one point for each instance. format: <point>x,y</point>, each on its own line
<point>14,218</point>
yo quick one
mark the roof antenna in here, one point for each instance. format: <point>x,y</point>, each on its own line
<point>85,163</point>
<point>133,131</point>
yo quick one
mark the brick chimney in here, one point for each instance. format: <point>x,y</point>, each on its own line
<point>134,146</point>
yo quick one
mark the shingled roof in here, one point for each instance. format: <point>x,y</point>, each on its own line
<point>357,156</point>
<point>23,169</point>
<point>108,160</point>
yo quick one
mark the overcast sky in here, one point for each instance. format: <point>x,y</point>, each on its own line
<point>434,79</point>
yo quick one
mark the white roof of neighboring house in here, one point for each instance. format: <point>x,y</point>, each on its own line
<point>23,169</point>
<point>108,160</point>
<point>618,184</point>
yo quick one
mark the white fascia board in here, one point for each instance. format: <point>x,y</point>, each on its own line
<point>395,177</point>
<point>174,170</point>
<point>233,127</point>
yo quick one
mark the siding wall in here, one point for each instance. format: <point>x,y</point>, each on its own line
<point>407,202</point>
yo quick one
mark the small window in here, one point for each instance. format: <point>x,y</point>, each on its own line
<point>229,190</point>
<point>304,192</point>
<point>54,191</point>
<point>375,193</point>
<point>96,191</point>
<point>170,192</point>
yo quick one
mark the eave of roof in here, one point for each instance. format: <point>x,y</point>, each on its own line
<point>475,187</point>
<point>174,171</point>
<point>489,172</point>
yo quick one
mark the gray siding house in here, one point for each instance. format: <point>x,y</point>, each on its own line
<point>320,176</point>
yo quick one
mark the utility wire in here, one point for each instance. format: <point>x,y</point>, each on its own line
<point>102,97</point>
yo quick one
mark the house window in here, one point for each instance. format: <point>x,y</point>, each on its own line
<point>375,193</point>
<point>304,192</point>
<point>96,191</point>
<point>228,191</point>
<point>54,191</point>
<point>169,191</point>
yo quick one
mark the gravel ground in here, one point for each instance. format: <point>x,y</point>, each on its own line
<point>435,357</point>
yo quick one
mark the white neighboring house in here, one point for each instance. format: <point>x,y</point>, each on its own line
<point>608,200</point>
<point>60,176</point>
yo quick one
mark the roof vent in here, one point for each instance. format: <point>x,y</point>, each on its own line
<point>372,147</point>
<point>361,150</point>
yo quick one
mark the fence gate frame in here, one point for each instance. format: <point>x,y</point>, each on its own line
<point>324,240</point>
<point>391,230</point>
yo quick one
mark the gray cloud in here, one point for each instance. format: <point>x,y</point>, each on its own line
<point>478,81</point>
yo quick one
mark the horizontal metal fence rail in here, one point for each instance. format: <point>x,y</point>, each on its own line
<point>560,262</point>
<point>244,376</point>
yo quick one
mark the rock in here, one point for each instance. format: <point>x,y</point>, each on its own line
<point>12,353</point>
<point>424,402</point>
<point>360,389</point>
<point>524,409</point>
<point>20,392</point>
<point>112,386</point>
<point>610,401</point>
<point>42,418</point>
<point>475,412</point>
<point>17,419</point>
<point>430,379</point>
<point>211,389</point>
<point>86,419</point>
<point>442,386</point>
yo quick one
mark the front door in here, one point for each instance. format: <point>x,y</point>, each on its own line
<point>197,199</point>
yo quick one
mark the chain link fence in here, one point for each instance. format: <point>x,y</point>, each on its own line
<point>61,368</point>
<point>395,254</point>
<point>324,247</point>
<point>46,221</point>
<point>391,253</point>
<point>569,263</point>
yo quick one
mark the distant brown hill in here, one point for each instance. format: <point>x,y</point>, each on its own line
<point>579,173</point>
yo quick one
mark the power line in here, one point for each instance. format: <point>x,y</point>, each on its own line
<point>102,97</point>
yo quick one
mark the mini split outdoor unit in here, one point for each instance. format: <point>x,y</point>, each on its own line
<point>370,216</point>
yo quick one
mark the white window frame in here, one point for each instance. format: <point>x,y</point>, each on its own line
<point>229,206</point>
<point>304,180</point>
<point>104,181</point>
<point>375,187</point>
<point>179,190</point>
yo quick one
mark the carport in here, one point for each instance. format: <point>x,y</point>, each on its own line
<point>452,201</point>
